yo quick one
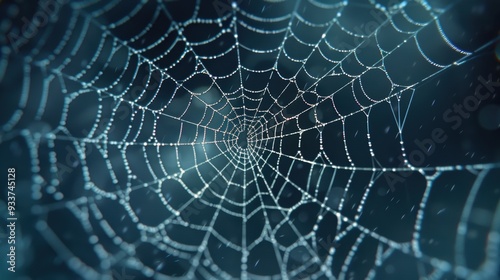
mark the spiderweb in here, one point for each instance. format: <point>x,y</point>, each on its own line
<point>248,139</point>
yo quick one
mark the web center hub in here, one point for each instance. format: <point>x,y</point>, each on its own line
<point>242,140</point>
